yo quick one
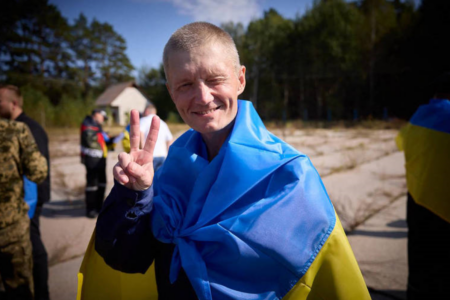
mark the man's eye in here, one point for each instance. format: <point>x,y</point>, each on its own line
<point>216,80</point>
<point>185,85</point>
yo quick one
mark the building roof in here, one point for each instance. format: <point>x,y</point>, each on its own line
<point>112,92</point>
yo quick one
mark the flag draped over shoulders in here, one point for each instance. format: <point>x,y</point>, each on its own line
<point>254,223</point>
<point>248,224</point>
<point>426,142</point>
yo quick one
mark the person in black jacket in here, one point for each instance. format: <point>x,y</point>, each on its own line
<point>94,151</point>
<point>11,108</point>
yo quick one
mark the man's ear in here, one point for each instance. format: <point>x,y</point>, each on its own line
<point>241,78</point>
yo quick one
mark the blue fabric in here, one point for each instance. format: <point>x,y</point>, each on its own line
<point>158,162</point>
<point>30,197</point>
<point>130,254</point>
<point>246,225</point>
<point>105,137</point>
<point>433,115</point>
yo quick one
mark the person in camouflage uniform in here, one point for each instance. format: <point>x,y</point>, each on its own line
<point>19,155</point>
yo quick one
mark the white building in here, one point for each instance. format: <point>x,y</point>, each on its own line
<point>119,99</point>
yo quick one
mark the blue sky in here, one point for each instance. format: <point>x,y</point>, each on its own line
<point>146,25</point>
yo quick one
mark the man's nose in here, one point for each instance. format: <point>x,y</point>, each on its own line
<point>204,95</point>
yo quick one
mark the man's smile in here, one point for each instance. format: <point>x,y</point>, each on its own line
<point>206,112</point>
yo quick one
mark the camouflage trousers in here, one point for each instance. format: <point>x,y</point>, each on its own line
<point>16,261</point>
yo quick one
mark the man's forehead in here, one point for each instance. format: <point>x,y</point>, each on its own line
<point>6,93</point>
<point>200,54</point>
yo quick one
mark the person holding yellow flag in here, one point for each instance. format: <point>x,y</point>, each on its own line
<point>234,212</point>
<point>426,143</point>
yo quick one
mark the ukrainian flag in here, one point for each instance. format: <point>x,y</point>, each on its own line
<point>254,223</point>
<point>426,143</point>
<point>126,139</point>
<point>333,275</point>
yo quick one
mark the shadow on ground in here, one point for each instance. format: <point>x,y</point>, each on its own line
<point>387,294</point>
<point>398,224</point>
<point>66,208</point>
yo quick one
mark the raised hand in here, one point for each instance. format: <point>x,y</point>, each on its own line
<point>135,170</point>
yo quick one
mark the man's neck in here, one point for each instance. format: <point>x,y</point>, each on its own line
<point>16,113</point>
<point>215,140</point>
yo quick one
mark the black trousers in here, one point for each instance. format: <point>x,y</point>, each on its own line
<point>40,259</point>
<point>95,186</point>
<point>428,253</point>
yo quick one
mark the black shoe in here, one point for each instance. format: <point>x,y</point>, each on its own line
<point>92,214</point>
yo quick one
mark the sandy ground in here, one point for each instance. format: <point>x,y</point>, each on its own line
<point>361,170</point>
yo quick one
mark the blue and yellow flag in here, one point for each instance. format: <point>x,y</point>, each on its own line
<point>254,223</point>
<point>426,143</point>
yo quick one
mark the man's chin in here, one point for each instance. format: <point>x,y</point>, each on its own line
<point>5,116</point>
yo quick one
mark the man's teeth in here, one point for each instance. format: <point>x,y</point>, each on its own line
<point>206,111</point>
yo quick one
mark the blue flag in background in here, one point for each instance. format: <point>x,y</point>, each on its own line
<point>30,197</point>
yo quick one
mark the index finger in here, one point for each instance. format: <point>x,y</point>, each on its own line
<point>152,135</point>
<point>135,132</point>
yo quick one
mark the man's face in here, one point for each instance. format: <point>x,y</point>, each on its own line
<point>6,104</point>
<point>98,117</point>
<point>204,86</point>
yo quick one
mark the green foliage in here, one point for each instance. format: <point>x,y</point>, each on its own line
<point>59,66</point>
<point>340,58</point>
<point>173,118</point>
<point>37,106</point>
<point>70,112</point>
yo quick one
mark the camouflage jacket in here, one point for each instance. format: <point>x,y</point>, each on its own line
<point>19,155</point>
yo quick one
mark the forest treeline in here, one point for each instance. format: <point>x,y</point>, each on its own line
<point>340,60</point>
<point>61,66</point>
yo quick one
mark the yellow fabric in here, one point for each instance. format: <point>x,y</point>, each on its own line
<point>427,163</point>
<point>97,281</point>
<point>126,141</point>
<point>333,275</point>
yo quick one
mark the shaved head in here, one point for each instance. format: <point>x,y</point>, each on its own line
<point>200,34</point>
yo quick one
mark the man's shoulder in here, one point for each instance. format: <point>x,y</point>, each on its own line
<point>12,127</point>
<point>89,122</point>
<point>11,134</point>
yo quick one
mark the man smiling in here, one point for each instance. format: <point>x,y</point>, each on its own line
<point>234,213</point>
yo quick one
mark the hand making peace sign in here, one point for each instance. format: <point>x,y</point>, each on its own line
<point>135,170</point>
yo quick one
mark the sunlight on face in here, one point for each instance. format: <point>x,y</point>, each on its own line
<point>204,87</point>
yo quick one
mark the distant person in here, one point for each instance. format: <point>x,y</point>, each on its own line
<point>11,108</point>
<point>426,143</point>
<point>124,137</point>
<point>165,137</point>
<point>19,156</point>
<point>94,151</point>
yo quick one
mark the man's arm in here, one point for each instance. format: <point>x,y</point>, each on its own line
<point>41,138</point>
<point>33,163</point>
<point>124,237</point>
<point>123,234</point>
